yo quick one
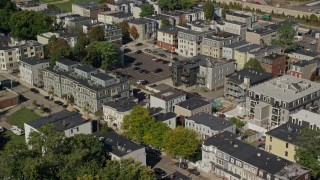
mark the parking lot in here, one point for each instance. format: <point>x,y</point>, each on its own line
<point>147,64</point>
<point>306,43</point>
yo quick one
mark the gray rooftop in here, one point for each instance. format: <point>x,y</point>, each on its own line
<point>34,60</point>
<point>157,16</point>
<point>254,75</point>
<point>86,68</point>
<point>286,88</point>
<point>307,53</point>
<point>304,63</point>
<point>169,94</point>
<point>170,30</point>
<point>102,76</point>
<point>122,105</point>
<point>249,48</point>
<point>237,44</point>
<point>193,103</point>
<point>117,144</point>
<point>307,116</point>
<point>227,143</point>
<point>53,12</point>
<point>67,62</point>
<point>62,120</point>
<point>238,14</point>
<point>88,5</point>
<point>286,132</point>
<point>236,22</point>
<point>263,31</point>
<point>210,121</point>
<point>164,116</point>
<point>81,19</point>
<point>120,14</point>
<point>173,13</point>
<point>140,21</point>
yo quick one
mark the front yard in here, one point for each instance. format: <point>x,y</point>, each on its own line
<point>21,116</point>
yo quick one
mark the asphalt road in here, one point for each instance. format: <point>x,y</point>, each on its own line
<point>147,64</point>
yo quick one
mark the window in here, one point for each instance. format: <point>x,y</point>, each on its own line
<point>287,145</point>
<point>77,129</point>
<point>270,147</point>
<point>260,173</point>
<point>270,139</point>
<point>71,130</point>
<point>232,160</point>
<point>268,177</point>
<point>286,153</point>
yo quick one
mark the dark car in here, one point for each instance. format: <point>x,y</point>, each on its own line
<point>146,71</point>
<point>139,44</point>
<point>159,172</point>
<point>158,60</point>
<point>47,110</point>
<point>154,52</point>
<point>117,73</point>
<point>182,165</point>
<point>165,62</point>
<point>128,76</point>
<point>139,52</point>
<point>145,82</point>
<point>194,171</point>
<point>136,68</point>
<point>58,103</point>
<point>142,71</point>
<point>32,89</point>
<point>162,55</point>
<point>175,59</point>
<point>137,64</point>
<point>157,70</point>
<point>127,50</point>
<point>148,50</point>
<point>174,53</point>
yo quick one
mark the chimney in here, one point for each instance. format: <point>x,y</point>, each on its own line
<point>172,176</point>
<point>258,154</point>
<point>64,123</point>
<point>231,142</point>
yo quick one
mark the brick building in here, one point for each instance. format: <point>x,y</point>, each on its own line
<point>167,38</point>
<point>275,64</point>
<point>8,98</point>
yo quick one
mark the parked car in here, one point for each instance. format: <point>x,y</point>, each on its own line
<point>127,50</point>
<point>118,73</point>
<point>1,129</point>
<point>174,53</point>
<point>165,62</point>
<point>155,52</point>
<point>182,165</point>
<point>158,60</point>
<point>139,52</point>
<point>139,44</point>
<point>157,70</point>
<point>194,171</point>
<point>34,90</point>
<point>137,64</point>
<point>162,55</point>
<point>17,130</point>
<point>58,103</point>
<point>148,50</point>
<point>136,68</point>
<point>141,71</point>
<point>175,59</point>
<point>159,171</point>
<point>128,76</point>
<point>142,82</point>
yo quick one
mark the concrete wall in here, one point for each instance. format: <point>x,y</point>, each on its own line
<point>85,128</point>
<point>278,147</point>
<point>138,155</point>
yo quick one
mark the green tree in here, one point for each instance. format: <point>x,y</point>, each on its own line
<point>155,135</point>
<point>181,142</point>
<point>253,63</point>
<point>102,55</point>
<point>48,46</point>
<point>6,9</point>
<point>208,10</point>
<point>137,123</point>
<point>165,22</point>
<point>313,17</point>
<point>308,151</point>
<point>239,124</point>
<point>79,50</point>
<point>60,49</point>
<point>169,4</point>
<point>286,37</point>
<point>134,32</point>
<point>96,34</point>
<point>146,10</point>
<point>28,24</point>
<point>124,25</point>
<point>187,4</point>
<point>224,11</point>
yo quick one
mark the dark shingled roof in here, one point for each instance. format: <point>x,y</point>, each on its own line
<point>67,62</point>
<point>169,94</point>
<point>286,132</point>
<point>164,116</point>
<point>227,143</point>
<point>307,53</point>
<point>253,74</point>
<point>176,176</point>
<point>237,44</point>
<point>193,103</point>
<point>85,68</point>
<point>62,120</point>
<point>238,14</point>
<point>303,63</point>
<point>269,59</point>
<point>117,144</point>
<point>123,105</point>
<point>34,60</point>
<point>120,14</point>
<point>210,121</point>
<point>170,30</point>
<point>102,76</point>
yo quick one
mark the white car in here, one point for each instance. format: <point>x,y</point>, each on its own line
<point>17,130</point>
<point>170,64</point>
<point>153,59</point>
<point>1,129</point>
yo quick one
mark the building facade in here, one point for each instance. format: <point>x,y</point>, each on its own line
<point>304,69</point>
<point>192,106</point>
<point>261,36</point>
<point>228,50</point>
<point>114,17</point>
<point>31,70</point>
<point>167,38</point>
<point>275,64</point>
<point>241,55</point>
<point>87,9</point>
<point>146,28</point>
<point>44,37</point>
<point>167,99</point>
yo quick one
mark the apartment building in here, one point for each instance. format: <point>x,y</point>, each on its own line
<point>75,24</point>
<point>158,18</point>
<point>261,36</point>
<point>193,14</point>
<point>236,85</point>
<point>167,99</point>
<point>275,64</point>
<point>12,53</point>
<point>71,123</point>
<point>87,9</point>
<point>185,72</point>
<point>192,106</point>
<point>269,104</point>
<point>112,33</point>
<point>44,37</point>
<point>304,69</point>
<point>114,17</point>
<point>207,125</point>
<point>146,28</point>
<point>31,6</point>
<point>229,49</point>
<point>167,38</point>
<point>306,118</point>
<point>89,87</point>
<point>305,55</point>
<point>117,147</point>
<point>121,5</point>
<point>189,42</point>
<point>241,55</point>
<point>264,51</point>
<point>169,118</point>
<point>212,44</point>
<point>31,70</point>
<point>282,141</point>
<point>227,157</point>
<point>212,73</point>
<point>234,27</point>
<point>247,18</point>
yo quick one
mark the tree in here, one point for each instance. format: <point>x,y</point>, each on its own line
<point>313,17</point>
<point>79,50</point>
<point>146,10</point>
<point>134,32</point>
<point>6,9</point>
<point>208,10</point>
<point>224,11</point>
<point>155,135</point>
<point>165,22</point>
<point>253,63</point>
<point>96,34</point>
<point>60,49</point>
<point>102,55</point>
<point>239,124</point>
<point>187,4</point>
<point>181,142</point>
<point>169,4</point>
<point>137,123</point>
<point>28,24</point>
<point>308,151</point>
<point>124,25</point>
<point>286,37</point>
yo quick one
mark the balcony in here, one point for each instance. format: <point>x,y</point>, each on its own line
<point>201,76</point>
<point>185,80</point>
<point>185,74</point>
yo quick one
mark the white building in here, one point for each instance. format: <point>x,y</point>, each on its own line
<point>115,111</point>
<point>114,17</point>
<point>118,147</point>
<point>167,99</point>
<point>44,37</point>
<point>306,119</point>
<point>234,27</point>
<point>168,118</point>
<point>31,70</point>
<point>207,125</point>
<point>305,55</point>
<point>71,123</point>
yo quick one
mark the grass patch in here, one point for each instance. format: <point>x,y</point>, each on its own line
<point>67,6</point>
<point>23,115</point>
<point>14,137</point>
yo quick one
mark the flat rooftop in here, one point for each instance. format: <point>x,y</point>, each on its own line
<point>210,121</point>
<point>307,116</point>
<point>122,105</point>
<point>4,94</point>
<point>286,132</point>
<point>251,73</point>
<point>169,94</point>
<point>193,103</point>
